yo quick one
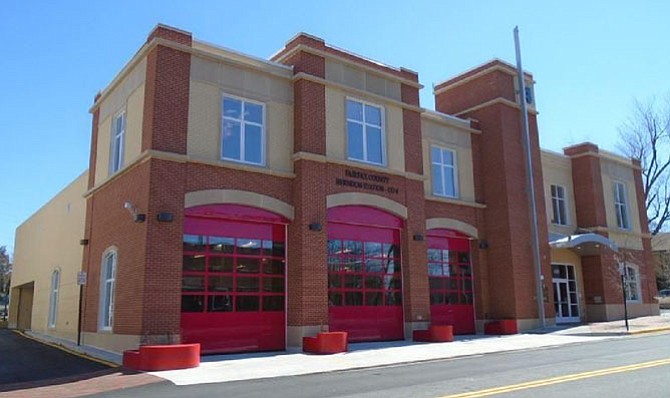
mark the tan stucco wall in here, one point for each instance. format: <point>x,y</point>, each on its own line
<point>611,172</point>
<point>610,312</point>
<point>567,256</point>
<point>366,199</point>
<point>457,140</point>
<point>128,95</point>
<point>450,223</point>
<point>361,79</point>
<point>111,342</point>
<point>336,129</point>
<point>557,170</point>
<point>49,240</point>
<point>219,196</point>
<point>209,81</point>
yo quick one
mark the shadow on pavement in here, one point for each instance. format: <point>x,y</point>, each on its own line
<point>24,361</point>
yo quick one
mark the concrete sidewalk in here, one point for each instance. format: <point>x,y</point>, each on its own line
<point>223,368</point>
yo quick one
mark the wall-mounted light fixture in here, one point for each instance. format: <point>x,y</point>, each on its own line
<point>315,226</point>
<point>83,242</point>
<point>418,237</point>
<point>483,244</point>
<point>165,217</point>
<point>137,217</point>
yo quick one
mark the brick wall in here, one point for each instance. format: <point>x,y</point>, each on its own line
<point>587,185</point>
<point>109,224</point>
<point>500,176</point>
<point>166,96</point>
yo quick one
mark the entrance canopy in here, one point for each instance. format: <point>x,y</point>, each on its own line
<point>582,244</point>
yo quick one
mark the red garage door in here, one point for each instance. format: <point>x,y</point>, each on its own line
<point>364,280</point>
<point>450,279</point>
<point>233,279</point>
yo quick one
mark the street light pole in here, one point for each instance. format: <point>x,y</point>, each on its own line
<point>535,239</point>
<point>622,273</point>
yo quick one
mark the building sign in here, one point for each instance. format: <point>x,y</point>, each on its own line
<point>367,181</point>
<point>81,278</point>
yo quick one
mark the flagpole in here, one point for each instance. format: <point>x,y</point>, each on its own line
<point>530,183</point>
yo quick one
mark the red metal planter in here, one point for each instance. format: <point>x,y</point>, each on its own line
<point>435,334</point>
<point>502,326</point>
<point>325,343</point>
<point>163,357</point>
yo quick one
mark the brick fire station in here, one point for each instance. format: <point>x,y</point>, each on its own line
<point>245,203</point>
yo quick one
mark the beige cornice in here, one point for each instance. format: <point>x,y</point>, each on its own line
<point>271,70</point>
<point>280,71</point>
<point>178,158</point>
<point>462,124</point>
<point>456,202</point>
<point>609,230</point>
<point>308,156</point>
<point>377,169</point>
<point>139,55</point>
<point>507,69</point>
<point>241,167</point>
<point>363,93</point>
<point>498,100</point>
<point>139,159</point>
<point>324,54</point>
<point>606,156</point>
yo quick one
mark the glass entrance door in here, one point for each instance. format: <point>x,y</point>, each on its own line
<point>566,299</point>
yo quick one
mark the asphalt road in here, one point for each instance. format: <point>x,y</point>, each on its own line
<point>23,360</point>
<point>631,367</point>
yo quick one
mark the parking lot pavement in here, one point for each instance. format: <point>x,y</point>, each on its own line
<point>29,368</point>
<point>25,360</point>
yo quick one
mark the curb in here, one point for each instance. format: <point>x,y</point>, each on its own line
<point>652,330</point>
<point>68,350</point>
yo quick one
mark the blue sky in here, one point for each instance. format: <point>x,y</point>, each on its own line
<point>590,60</point>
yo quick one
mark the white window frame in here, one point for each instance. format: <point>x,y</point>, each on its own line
<point>443,166</point>
<point>107,290</point>
<point>117,143</point>
<point>632,283</point>
<point>622,218</point>
<point>556,203</point>
<point>242,129</point>
<point>53,298</point>
<point>382,127</point>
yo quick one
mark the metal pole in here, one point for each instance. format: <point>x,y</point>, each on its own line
<point>81,289</point>
<point>535,240</point>
<point>625,304</point>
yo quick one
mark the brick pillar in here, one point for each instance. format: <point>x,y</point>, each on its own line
<point>166,93</point>
<point>416,299</point>
<point>600,273</point>
<point>165,128</point>
<point>307,272</point>
<point>307,258</point>
<point>488,95</point>
<point>588,185</point>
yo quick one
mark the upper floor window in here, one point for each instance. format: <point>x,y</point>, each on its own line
<point>118,140</point>
<point>53,303</point>
<point>559,205</point>
<point>107,284</point>
<point>243,132</point>
<point>621,205</point>
<point>443,170</point>
<point>632,283</point>
<point>365,132</point>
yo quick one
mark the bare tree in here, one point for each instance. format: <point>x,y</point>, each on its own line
<point>646,136</point>
<point>5,271</point>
